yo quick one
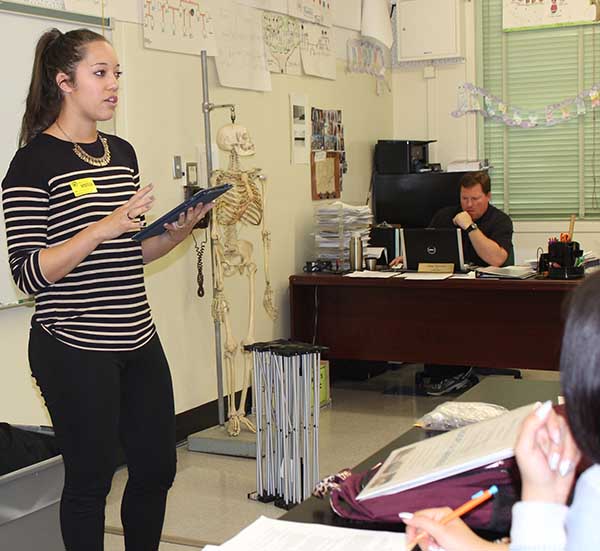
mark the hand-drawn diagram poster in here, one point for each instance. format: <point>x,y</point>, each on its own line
<point>282,43</point>
<point>241,60</point>
<point>51,4</point>
<point>182,26</point>
<point>317,51</point>
<point>521,15</point>
<point>280,6</point>
<point>314,11</point>
<point>123,10</point>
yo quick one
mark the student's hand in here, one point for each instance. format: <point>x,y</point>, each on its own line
<point>547,456</point>
<point>397,261</point>
<point>453,536</point>
<point>463,220</point>
<point>180,229</point>
<point>126,218</point>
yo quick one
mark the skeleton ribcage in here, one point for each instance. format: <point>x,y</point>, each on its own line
<point>243,203</point>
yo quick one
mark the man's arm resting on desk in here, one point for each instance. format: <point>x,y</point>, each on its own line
<point>486,248</point>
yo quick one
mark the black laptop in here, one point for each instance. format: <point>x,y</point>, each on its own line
<point>432,246</point>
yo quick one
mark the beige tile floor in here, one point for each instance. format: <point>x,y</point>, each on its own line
<point>208,502</point>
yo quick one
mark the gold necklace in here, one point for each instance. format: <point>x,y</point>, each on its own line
<point>86,157</point>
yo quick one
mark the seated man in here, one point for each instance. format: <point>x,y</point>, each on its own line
<point>487,241</point>
<point>487,231</point>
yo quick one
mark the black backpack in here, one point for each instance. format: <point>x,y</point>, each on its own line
<point>20,448</point>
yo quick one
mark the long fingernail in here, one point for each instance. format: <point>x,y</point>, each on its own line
<point>543,411</point>
<point>566,466</point>
<point>553,461</point>
<point>555,435</point>
<point>406,516</point>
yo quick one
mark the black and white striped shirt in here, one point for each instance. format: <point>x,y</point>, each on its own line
<point>48,196</point>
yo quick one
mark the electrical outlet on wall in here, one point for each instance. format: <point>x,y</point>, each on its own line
<point>191,174</point>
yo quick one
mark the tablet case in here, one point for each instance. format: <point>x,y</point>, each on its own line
<point>203,196</point>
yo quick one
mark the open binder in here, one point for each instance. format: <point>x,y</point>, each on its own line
<point>447,454</point>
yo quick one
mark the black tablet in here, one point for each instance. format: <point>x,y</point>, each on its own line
<point>203,196</point>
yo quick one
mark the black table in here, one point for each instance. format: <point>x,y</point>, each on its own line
<point>507,392</point>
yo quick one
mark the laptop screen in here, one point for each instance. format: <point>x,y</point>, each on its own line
<point>432,246</point>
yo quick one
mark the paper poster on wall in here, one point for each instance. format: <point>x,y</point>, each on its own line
<point>282,43</point>
<point>317,51</point>
<point>123,10</point>
<point>366,56</point>
<point>376,22</point>
<point>241,60</point>
<point>313,11</point>
<point>300,132</point>
<point>180,26</point>
<point>347,14</point>
<point>519,15</point>
<point>279,6</point>
<point>50,4</point>
<point>327,134</point>
<point>325,175</point>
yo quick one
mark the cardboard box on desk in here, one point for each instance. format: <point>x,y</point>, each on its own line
<point>324,388</point>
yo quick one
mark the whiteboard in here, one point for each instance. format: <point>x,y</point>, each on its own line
<point>18,37</point>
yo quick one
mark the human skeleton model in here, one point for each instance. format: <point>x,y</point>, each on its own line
<point>243,205</point>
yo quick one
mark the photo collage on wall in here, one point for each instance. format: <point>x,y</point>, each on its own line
<point>328,133</point>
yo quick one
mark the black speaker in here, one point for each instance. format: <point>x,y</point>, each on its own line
<point>401,156</point>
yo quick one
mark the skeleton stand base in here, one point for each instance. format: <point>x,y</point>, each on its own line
<point>217,440</point>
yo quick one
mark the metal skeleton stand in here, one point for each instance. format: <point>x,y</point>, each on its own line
<point>216,439</point>
<point>286,383</point>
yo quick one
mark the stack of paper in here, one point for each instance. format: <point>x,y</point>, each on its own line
<point>336,224</point>
<point>591,262</point>
<point>465,166</point>
<point>267,534</point>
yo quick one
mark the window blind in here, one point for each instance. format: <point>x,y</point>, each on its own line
<point>545,172</point>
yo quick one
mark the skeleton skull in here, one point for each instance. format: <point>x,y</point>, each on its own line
<point>234,137</point>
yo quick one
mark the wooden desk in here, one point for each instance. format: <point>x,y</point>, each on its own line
<point>510,393</point>
<point>481,322</point>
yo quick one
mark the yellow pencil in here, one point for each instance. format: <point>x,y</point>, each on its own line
<point>476,500</point>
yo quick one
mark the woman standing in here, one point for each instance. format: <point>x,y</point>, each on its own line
<point>72,201</point>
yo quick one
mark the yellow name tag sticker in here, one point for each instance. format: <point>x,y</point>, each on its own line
<point>84,186</point>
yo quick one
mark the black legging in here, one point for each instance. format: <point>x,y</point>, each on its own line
<point>98,400</point>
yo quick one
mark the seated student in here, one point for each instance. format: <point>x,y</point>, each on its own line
<point>546,453</point>
<point>487,241</point>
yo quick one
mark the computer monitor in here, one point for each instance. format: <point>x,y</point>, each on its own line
<point>432,246</point>
<point>411,200</point>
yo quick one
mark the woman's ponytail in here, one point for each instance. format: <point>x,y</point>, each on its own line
<point>55,52</point>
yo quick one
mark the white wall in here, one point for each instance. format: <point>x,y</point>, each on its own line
<point>422,110</point>
<point>160,113</point>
